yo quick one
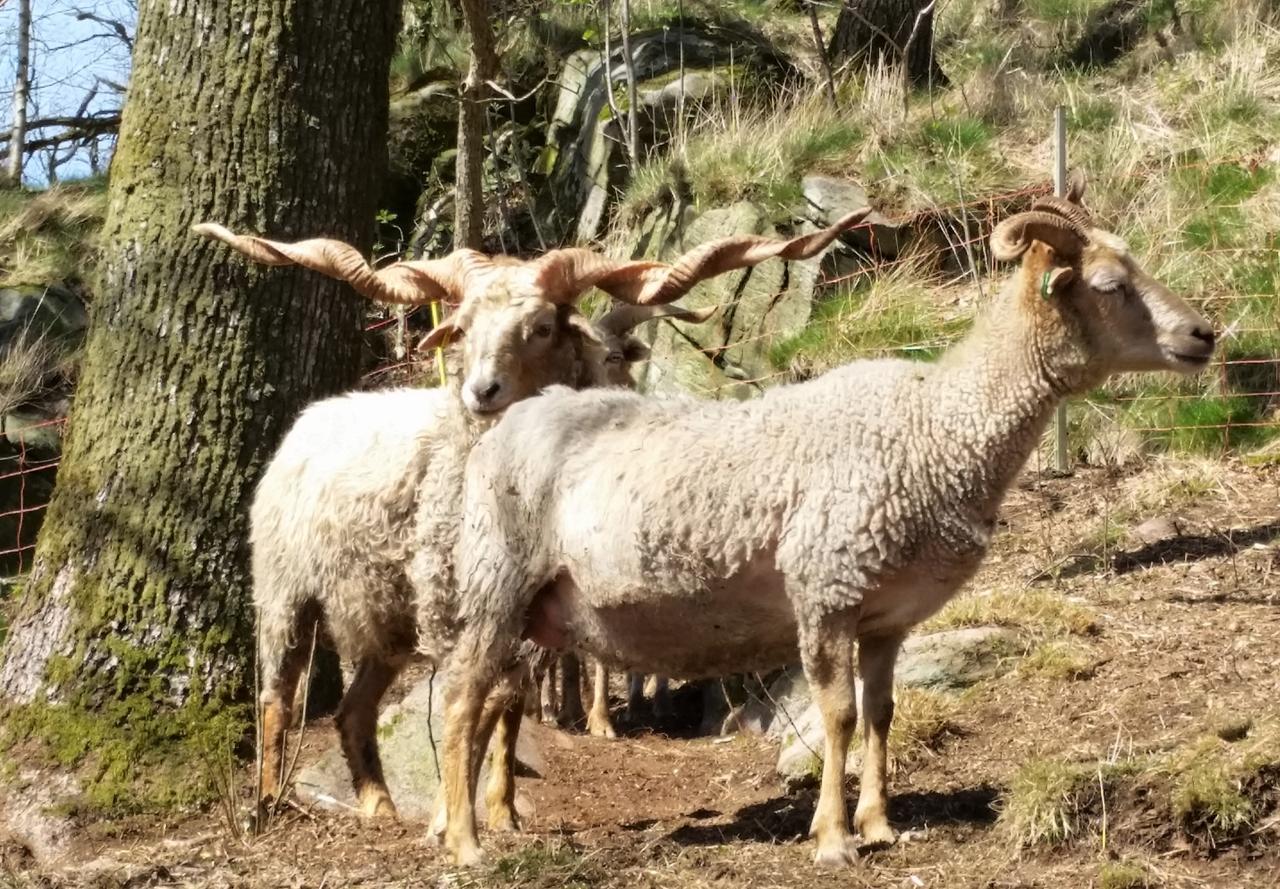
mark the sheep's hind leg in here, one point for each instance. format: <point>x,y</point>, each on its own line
<point>635,696</point>
<point>357,721</point>
<point>876,658</point>
<point>571,712</point>
<point>827,652</point>
<point>663,712</point>
<point>599,721</point>
<point>550,699</point>
<point>279,690</point>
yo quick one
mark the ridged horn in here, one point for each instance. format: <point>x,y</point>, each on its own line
<point>1013,237</point>
<point>404,283</point>
<point>624,317</point>
<point>564,274</point>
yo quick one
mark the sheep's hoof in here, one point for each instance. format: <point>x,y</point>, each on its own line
<point>502,819</point>
<point>840,851</point>
<point>875,831</point>
<point>377,804</point>
<point>600,726</point>
<point>880,836</point>
<point>467,853</point>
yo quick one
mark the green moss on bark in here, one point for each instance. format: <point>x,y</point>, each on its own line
<point>136,623</point>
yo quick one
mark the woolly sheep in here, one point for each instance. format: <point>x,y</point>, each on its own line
<point>340,510</point>
<point>701,538</point>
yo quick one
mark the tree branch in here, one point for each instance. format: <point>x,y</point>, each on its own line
<point>118,28</point>
<point>98,122</point>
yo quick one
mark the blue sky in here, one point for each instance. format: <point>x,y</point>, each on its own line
<point>67,57</point>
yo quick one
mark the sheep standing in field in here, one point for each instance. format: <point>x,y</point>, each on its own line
<point>696,538</point>
<point>365,483</point>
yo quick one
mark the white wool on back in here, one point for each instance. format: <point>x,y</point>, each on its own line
<point>332,518</point>
<point>698,538</point>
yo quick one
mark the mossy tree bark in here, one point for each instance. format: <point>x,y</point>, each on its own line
<point>268,116</point>
<point>867,31</point>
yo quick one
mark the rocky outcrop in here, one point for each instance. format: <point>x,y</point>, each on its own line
<point>409,738</point>
<point>676,67</point>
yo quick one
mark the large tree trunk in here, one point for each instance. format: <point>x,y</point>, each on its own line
<point>22,85</point>
<point>869,30</point>
<point>268,116</point>
<point>468,229</point>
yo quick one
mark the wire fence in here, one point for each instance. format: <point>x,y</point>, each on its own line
<point>1235,407</point>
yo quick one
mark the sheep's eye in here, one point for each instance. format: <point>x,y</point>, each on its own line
<point>613,358</point>
<point>544,329</point>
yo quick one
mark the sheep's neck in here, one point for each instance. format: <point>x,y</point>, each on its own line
<point>997,391</point>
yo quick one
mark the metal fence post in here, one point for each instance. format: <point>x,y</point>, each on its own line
<point>1061,463</point>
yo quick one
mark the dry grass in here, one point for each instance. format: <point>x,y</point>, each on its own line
<point>1213,790</point>
<point>47,236</point>
<point>1059,661</point>
<point>923,721</point>
<point>1042,614</point>
<point>24,369</point>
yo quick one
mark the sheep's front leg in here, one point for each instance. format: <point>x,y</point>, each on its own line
<point>599,722</point>
<point>662,709</point>
<point>827,652</point>
<point>463,717</point>
<point>876,658</point>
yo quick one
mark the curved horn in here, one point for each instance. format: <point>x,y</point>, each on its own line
<point>406,283</point>
<point>625,317</point>
<point>1064,208</point>
<point>563,274</point>
<point>1012,237</point>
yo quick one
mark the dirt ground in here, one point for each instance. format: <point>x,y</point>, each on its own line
<point>1188,634</point>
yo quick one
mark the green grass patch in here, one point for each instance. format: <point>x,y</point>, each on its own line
<point>955,134</point>
<point>754,154</point>
<point>1209,424</point>
<point>893,315</point>
<point>1222,183</point>
<point>1091,113</point>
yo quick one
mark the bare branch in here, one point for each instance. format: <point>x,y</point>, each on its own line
<point>118,28</point>
<point>98,122</point>
<point>821,47</point>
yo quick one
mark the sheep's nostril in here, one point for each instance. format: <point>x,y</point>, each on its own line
<point>488,392</point>
<point>1205,335</point>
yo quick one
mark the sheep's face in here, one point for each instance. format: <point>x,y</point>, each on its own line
<point>514,348</point>
<point>1130,321</point>
<point>612,359</point>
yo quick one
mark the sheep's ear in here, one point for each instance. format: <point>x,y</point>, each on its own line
<point>1075,186</point>
<point>447,331</point>
<point>1058,280</point>
<point>634,349</point>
